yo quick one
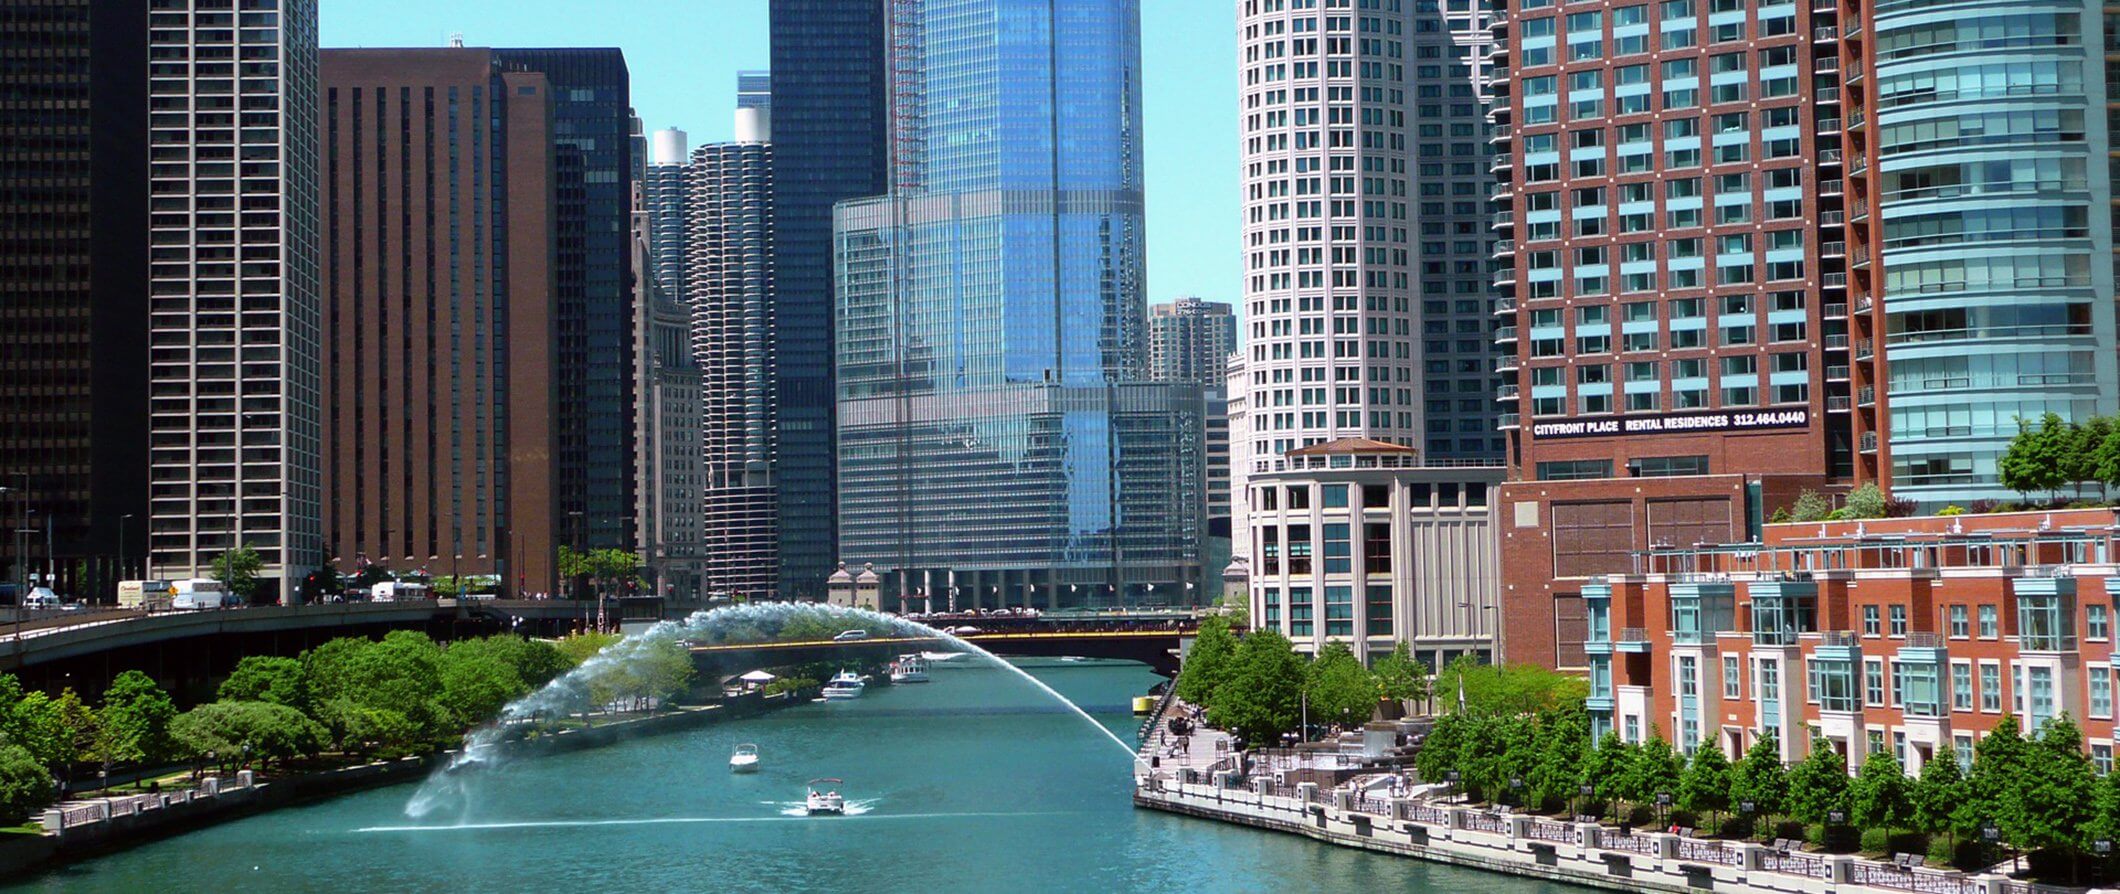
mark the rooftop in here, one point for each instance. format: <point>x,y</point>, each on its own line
<point>1348,446</point>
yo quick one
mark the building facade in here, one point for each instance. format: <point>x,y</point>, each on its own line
<point>670,519</point>
<point>234,313</point>
<point>1365,163</point>
<point>1190,340</point>
<point>828,87</point>
<point>1357,542</point>
<point>1674,286</point>
<point>662,199</point>
<point>729,284</point>
<point>995,427</point>
<point>1916,635</point>
<point>441,367</point>
<point>1980,221</point>
<point>593,161</point>
<point>73,263</point>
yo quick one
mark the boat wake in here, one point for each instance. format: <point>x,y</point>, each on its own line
<point>802,808</point>
<point>786,815</point>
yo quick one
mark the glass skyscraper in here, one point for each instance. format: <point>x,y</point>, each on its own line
<point>996,437</point>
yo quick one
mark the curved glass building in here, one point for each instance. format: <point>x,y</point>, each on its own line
<point>1980,214</point>
<point>996,434</point>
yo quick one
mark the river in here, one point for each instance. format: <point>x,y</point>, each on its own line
<point>974,782</point>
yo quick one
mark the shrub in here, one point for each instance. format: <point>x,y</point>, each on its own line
<point>1985,507</point>
<point>1953,509</point>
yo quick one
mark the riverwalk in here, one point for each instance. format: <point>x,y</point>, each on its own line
<point>1363,814</point>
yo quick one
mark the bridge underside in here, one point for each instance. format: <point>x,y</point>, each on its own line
<point>1158,652</point>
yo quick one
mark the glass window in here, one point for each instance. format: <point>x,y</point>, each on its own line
<point>1961,687</point>
<point>1873,682</point>
<point>1871,625</point>
<point>1990,628</point>
<point>1339,611</point>
<point>2101,680</point>
<point>2095,622</point>
<point>1961,624</point>
<point>1899,620</point>
<point>1990,687</point>
<point>1733,684</point>
<point>1377,610</point>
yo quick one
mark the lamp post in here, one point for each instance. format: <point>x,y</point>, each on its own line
<point>1587,791</point>
<point>124,529</point>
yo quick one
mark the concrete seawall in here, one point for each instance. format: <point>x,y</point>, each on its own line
<point>1550,850</point>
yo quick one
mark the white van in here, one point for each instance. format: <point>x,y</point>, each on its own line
<point>143,593</point>
<point>397,591</point>
<point>42,598</point>
<point>199,593</point>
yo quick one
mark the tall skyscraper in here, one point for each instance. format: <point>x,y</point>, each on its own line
<point>995,432</point>
<point>1190,340</point>
<point>1981,234</point>
<point>441,378</point>
<point>754,89</point>
<point>669,439</point>
<point>729,285</point>
<point>663,200</point>
<point>235,310</point>
<point>593,276</point>
<point>73,267</point>
<point>1366,250</point>
<point>828,90</point>
<point>1674,310</point>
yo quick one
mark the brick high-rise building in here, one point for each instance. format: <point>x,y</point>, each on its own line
<point>1190,340</point>
<point>235,316</point>
<point>440,304</point>
<point>73,267</point>
<point>1674,308</point>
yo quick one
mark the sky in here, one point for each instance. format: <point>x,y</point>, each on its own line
<point>684,55</point>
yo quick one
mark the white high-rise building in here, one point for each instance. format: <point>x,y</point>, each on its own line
<point>235,313</point>
<point>1366,251</point>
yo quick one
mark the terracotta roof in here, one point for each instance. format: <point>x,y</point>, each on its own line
<point>1351,445</point>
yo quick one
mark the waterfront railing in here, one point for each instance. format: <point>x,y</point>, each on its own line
<point>1548,830</point>
<point>1614,841</point>
<point>1797,863</point>
<point>1486,822</point>
<point>1708,852</point>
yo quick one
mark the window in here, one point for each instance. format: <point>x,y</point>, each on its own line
<point>1899,620</point>
<point>1338,556</point>
<point>2101,697</point>
<point>2101,758</point>
<point>1873,681</point>
<point>2095,622</point>
<point>1989,627</point>
<point>1961,625</point>
<point>1300,612</point>
<point>1990,687</point>
<point>1377,614</point>
<point>1961,687</point>
<point>1339,611</point>
<point>1733,684</point>
<point>1335,496</point>
<point>1870,621</point>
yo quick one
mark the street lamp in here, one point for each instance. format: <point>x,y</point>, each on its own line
<point>1587,791</point>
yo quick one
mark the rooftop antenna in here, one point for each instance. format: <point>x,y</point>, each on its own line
<point>456,39</point>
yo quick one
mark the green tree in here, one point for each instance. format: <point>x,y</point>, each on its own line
<point>266,678</point>
<point>1339,688</point>
<point>1262,697</point>
<point>1439,751</point>
<point>1818,784</point>
<point>237,569</point>
<point>1936,795</point>
<point>1705,787</point>
<point>581,647</point>
<point>231,734</point>
<point>2060,790</point>
<point>1881,796</point>
<point>476,686</point>
<point>1562,738</point>
<point>1810,506</point>
<point>1399,677</point>
<point>663,670</point>
<point>1760,779</point>
<point>1654,770</point>
<point>25,786</point>
<point>1207,663</point>
<point>1605,770</point>
<point>1865,501</point>
<point>59,732</point>
<point>1514,689</point>
<point>2080,462</point>
<point>2105,456</point>
<point>133,724</point>
<point>1995,788</point>
<point>2036,458</point>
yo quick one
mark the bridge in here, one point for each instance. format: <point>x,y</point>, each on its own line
<point>1155,644</point>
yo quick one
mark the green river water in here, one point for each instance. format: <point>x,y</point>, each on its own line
<point>974,782</point>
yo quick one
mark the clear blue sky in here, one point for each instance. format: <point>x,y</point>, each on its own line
<point>684,55</point>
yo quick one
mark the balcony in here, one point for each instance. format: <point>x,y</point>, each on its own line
<point>1834,280</point>
<point>1505,305</point>
<point>1826,63</point>
<point>1863,304</point>
<point>1829,95</point>
<point>1505,421</point>
<point>1501,221</point>
<point>1837,403</point>
<point>1505,334</point>
<point>1834,249</point>
<point>1831,188</point>
<point>1632,639</point>
<point>1507,363</point>
<point>1865,349</point>
<point>1500,135</point>
<point>1832,218</point>
<point>1837,341</point>
<point>1829,156</point>
<point>1866,395</point>
<point>1869,442</point>
<point>1837,373</point>
<point>1825,34</point>
<point>1504,248</point>
<point>1505,276</point>
<point>1505,393</point>
<point>1500,162</point>
<point>1836,311</point>
<point>1828,125</point>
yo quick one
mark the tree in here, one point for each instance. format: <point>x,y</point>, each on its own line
<point>1818,784</point>
<point>475,687</point>
<point>1208,663</point>
<point>2060,790</point>
<point>230,734</point>
<point>1936,795</point>
<point>1759,779</point>
<point>265,678</point>
<point>1653,770</point>
<point>1995,787</point>
<point>133,724</point>
<point>1605,769</point>
<point>58,731</point>
<point>25,787</point>
<point>1439,751</point>
<point>237,569</point>
<point>1340,690</point>
<point>1515,689</point>
<point>2080,462</point>
<point>1881,796</point>
<point>2036,457</point>
<point>2105,457</point>
<point>663,670</point>
<point>581,647</point>
<point>1399,677</point>
<point>1705,787</point>
<point>1563,736</point>
<point>1262,697</point>
<point>1810,506</point>
<point>1865,501</point>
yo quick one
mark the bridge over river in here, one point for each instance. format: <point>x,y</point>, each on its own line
<point>1155,644</point>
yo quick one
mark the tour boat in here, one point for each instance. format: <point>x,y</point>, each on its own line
<point>845,684</point>
<point>909,669</point>
<point>824,798</point>
<point>745,759</point>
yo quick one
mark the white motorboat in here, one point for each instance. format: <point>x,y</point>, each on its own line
<point>909,669</point>
<point>744,759</point>
<point>844,685</point>
<point>823,798</point>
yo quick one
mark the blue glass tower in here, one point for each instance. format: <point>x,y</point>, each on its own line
<point>996,432</point>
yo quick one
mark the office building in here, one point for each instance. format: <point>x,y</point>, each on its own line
<point>669,439</point>
<point>1365,245</point>
<point>1981,234</point>
<point>662,192</point>
<point>1916,635</point>
<point>593,163</point>
<point>754,90</point>
<point>1189,340</point>
<point>73,265</point>
<point>996,434</point>
<point>441,372</point>
<point>828,89</point>
<point>1673,273</point>
<point>1359,542</point>
<point>729,286</point>
<point>234,314</point>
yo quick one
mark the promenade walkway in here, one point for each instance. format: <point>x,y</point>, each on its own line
<point>1200,749</point>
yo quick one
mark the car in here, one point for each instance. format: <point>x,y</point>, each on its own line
<point>42,597</point>
<point>850,635</point>
<point>965,630</point>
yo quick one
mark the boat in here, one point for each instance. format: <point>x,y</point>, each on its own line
<point>909,669</point>
<point>823,798</point>
<point>744,759</point>
<point>844,685</point>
